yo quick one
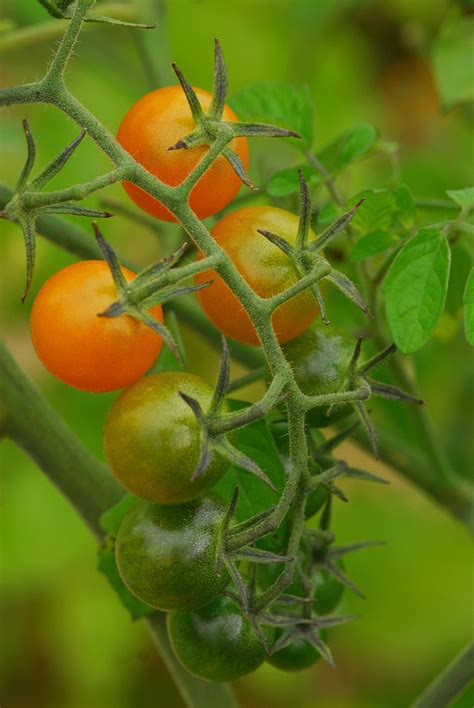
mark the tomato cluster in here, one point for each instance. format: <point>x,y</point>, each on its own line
<point>169,541</point>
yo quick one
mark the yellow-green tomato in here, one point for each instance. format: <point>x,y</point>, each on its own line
<point>166,554</point>
<point>215,642</point>
<point>152,438</point>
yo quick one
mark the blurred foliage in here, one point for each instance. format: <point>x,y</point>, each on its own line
<point>66,641</point>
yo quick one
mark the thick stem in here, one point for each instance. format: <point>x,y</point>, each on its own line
<point>41,433</point>
<point>450,682</point>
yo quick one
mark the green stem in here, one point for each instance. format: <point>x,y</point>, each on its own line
<point>457,676</point>
<point>40,432</point>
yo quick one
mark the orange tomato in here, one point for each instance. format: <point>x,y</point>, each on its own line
<point>265,268</point>
<point>156,122</point>
<point>86,351</point>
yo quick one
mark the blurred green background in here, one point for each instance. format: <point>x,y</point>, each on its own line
<point>66,640</point>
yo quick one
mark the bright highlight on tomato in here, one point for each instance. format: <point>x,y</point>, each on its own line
<point>157,122</point>
<point>152,438</point>
<point>216,642</point>
<point>167,555</point>
<point>86,351</point>
<point>266,269</point>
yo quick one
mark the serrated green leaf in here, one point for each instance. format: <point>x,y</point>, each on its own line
<point>415,289</point>
<point>288,106</point>
<point>348,147</point>
<point>112,518</point>
<point>108,566</point>
<point>376,212</point>
<point>452,61</point>
<point>357,143</point>
<point>469,308</point>
<point>329,213</point>
<point>463,197</point>
<point>287,181</point>
<point>371,244</point>
<point>405,205</point>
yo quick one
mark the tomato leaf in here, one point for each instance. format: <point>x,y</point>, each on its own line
<point>286,182</point>
<point>405,205</point>
<point>415,289</point>
<point>289,106</point>
<point>452,61</point>
<point>461,263</point>
<point>376,211</point>
<point>469,308</point>
<point>329,213</point>
<point>108,566</point>
<point>348,147</point>
<point>371,244</point>
<point>463,197</point>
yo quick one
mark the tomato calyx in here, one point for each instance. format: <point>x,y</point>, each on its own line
<point>307,261</point>
<point>210,127</point>
<point>216,426</point>
<point>28,203</point>
<point>155,285</point>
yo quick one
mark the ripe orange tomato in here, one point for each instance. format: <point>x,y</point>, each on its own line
<point>156,122</point>
<point>86,351</point>
<point>266,269</point>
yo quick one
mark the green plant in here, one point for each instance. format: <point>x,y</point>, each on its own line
<point>414,269</point>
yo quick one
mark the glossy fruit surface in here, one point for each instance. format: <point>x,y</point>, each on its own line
<point>215,642</point>
<point>86,351</point>
<point>166,554</point>
<point>320,359</point>
<point>152,439</point>
<point>157,122</point>
<point>298,655</point>
<point>266,269</point>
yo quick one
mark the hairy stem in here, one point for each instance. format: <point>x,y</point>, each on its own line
<point>450,682</point>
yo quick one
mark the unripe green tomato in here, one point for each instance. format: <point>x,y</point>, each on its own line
<point>216,642</point>
<point>152,438</point>
<point>166,554</point>
<point>298,655</point>
<point>328,590</point>
<point>320,358</point>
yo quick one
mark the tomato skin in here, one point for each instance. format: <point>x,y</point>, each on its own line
<point>152,438</point>
<point>158,121</point>
<point>88,352</point>
<point>266,269</point>
<point>215,642</point>
<point>320,358</point>
<point>166,554</point>
<point>328,590</point>
<point>297,656</point>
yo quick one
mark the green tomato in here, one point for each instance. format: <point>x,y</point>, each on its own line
<point>166,555</point>
<point>328,590</point>
<point>216,642</point>
<point>298,655</point>
<point>152,439</point>
<point>320,358</point>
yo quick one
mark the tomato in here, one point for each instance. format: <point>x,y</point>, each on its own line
<point>328,590</point>
<point>265,268</point>
<point>166,555</point>
<point>157,122</point>
<point>298,655</point>
<point>320,359</point>
<point>86,351</point>
<point>152,438</point>
<point>216,642</point>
